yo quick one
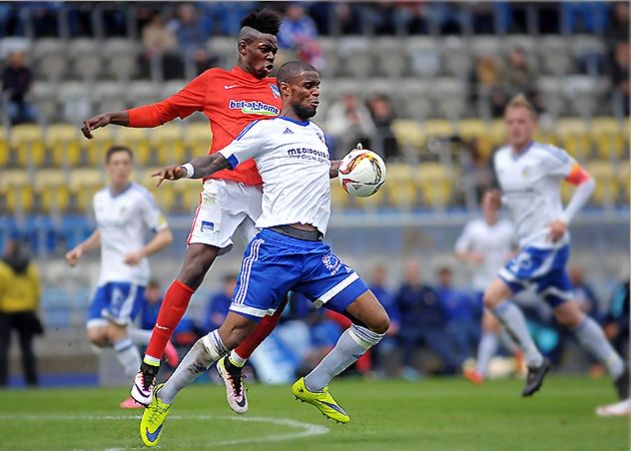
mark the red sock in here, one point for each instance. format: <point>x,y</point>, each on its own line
<point>263,329</point>
<point>172,310</point>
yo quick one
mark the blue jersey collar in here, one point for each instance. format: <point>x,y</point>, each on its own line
<point>295,121</point>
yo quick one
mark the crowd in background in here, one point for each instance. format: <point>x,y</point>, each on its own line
<point>435,325</point>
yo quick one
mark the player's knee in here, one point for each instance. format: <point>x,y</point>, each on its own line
<point>381,323</point>
<point>115,332</point>
<point>196,267</point>
<point>98,339</point>
<point>489,300</point>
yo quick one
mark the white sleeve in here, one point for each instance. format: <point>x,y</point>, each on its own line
<point>558,162</point>
<point>464,242</point>
<point>151,214</point>
<point>251,142</point>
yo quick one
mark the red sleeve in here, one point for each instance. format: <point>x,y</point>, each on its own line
<point>190,99</point>
<point>577,175</point>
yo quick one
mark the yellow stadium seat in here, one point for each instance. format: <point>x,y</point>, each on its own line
<point>19,199</point>
<point>438,128</point>
<point>62,141</point>
<point>137,140</point>
<point>13,178</point>
<point>94,150</point>
<point>167,143</point>
<point>49,178</point>
<point>339,197</point>
<point>574,137</point>
<point>197,138</point>
<point>476,129</point>
<point>497,133</point>
<point>608,137</point>
<point>436,184</point>
<point>606,182</point>
<point>144,178</point>
<point>624,180</point>
<point>165,196</point>
<point>4,147</point>
<point>89,178</point>
<point>188,194</point>
<point>408,133</point>
<point>28,142</point>
<point>371,202</point>
<point>399,186</point>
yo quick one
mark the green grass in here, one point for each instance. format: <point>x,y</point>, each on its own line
<point>433,414</point>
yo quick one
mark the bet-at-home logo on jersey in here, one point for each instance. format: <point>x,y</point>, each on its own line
<point>254,107</point>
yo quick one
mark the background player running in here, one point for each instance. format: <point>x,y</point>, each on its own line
<point>486,244</point>
<point>124,212</point>
<point>529,175</point>
<point>230,200</point>
<point>288,253</point>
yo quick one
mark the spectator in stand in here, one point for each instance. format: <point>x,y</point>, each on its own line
<point>191,36</point>
<point>219,304</point>
<point>160,42</point>
<point>462,316</point>
<point>422,321</point>
<point>349,122</point>
<point>617,320</point>
<point>17,80</point>
<point>520,78</point>
<point>299,34</point>
<point>388,343</point>
<point>382,115</point>
<point>620,75</point>
<point>618,28</point>
<point>19,299</point>
<point>486,82</point>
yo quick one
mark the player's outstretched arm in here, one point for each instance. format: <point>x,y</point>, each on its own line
<point>195,169</point>
<point>73,256</point>
<point>102,120</point>
<point>161,240</point>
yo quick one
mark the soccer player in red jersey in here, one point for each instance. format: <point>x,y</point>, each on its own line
<point>230,200</point>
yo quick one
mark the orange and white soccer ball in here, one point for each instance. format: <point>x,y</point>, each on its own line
<point>362,172</point>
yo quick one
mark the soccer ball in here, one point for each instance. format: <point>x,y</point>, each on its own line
<point>362,172</point>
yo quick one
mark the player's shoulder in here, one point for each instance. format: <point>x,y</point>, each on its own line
<point>101,194</point>
<point>141,193</point>
<point>505,224</point>
<point>502,153</point>
<point>550,152</point>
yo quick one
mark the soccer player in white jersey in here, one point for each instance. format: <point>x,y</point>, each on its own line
<point>288,252</point>
<point>529,176</point>
<point>486,244</point>
<point>124,212</point>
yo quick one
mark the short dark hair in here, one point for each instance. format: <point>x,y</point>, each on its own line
<point>263,20</point>
<point>153,283</point>
<point>115,149</point>
<point>291,70</point>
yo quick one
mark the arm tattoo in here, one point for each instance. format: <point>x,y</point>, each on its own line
<point>208,164</point>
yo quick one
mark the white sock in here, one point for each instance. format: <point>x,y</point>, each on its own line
<point>513,319</point>
<point>128,356</point>
<point>204,353</point>
<point>486,349</point>
<point>236,359</point>
<point>507,341</point>
<point>591,337</point>
<point>353,343</point>
<point>140,336</point>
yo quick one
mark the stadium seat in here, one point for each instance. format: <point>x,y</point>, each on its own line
<point>93,150</point>
<point>608,137</point>
<point>109,96</point>
<point>438,128</point>
<point>486,45</point>
<point>62,142</point>
<point>388,58</point>
<point>552,92</point>
<point>339,197</point>
<point>450,97</point>
<point>187,195</point>
<point>28,144</point>
<point>167,144</point>
<point>14,178</point>
<point>555,56</point>
<point>412,97</point>
<point>497,133</point>
<point>4,148</point>
<point>624,181</point>
<point>137,140</point>
<point>476,129</point>
<point>409,133</point>
<point>45,98</point>
<point>574,137</point>
<point>197,138</point>
<point>50,190</point>
<point>76,99</point>
<point>606,189</point>
<point>436,184</point>
<point>456,58</point>
<point>84,178</point>
<point>357,61</point>
<point>18,200</point>
<point>52,68</point>
<point>400,187</point>
<point>423,57</point>
<point>332,62</point>
<point>142,93</point>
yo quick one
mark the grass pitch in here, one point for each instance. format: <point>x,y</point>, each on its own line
<point>432,414</point>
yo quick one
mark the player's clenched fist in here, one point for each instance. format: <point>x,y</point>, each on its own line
<point>73,256</point>
<point>173,172</point>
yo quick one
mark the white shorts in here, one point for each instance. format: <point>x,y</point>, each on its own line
<point>227,210</point>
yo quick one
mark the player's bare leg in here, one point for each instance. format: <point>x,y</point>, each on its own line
<point>496,299</point>
<point>591,337</point>
<point>199,258</point>
<point>370,323</point>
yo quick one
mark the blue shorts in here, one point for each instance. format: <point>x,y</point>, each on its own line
<point>118,302</point>
<point>543,269</point>
<point>274,264</point>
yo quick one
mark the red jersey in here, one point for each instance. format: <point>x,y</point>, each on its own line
<point>230,99</point>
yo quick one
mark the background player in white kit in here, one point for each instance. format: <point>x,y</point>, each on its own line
<point>529,175</point>
<point>288,253</point>
<point>124,212</point>
<point>486,244</point>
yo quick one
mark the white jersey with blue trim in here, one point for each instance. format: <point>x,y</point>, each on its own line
<point>495,241</point>
<point>123,220</point>
<point>531,189</point>
<point>293,161</point>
